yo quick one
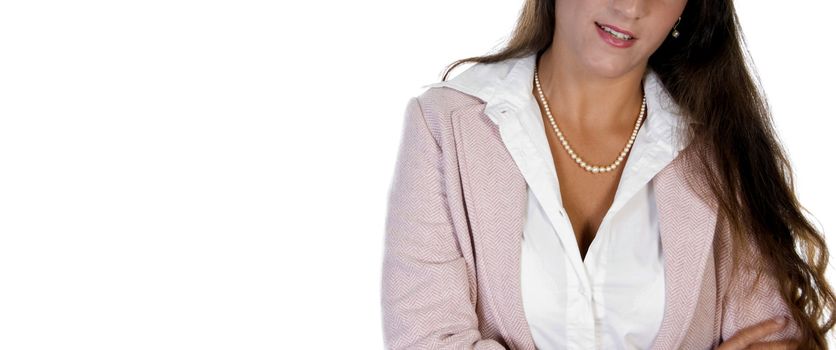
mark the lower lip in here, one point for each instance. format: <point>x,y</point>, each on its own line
<point>613,40</point>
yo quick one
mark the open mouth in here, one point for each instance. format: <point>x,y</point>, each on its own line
<point>616,34</point>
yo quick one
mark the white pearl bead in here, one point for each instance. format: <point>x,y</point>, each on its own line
<point>565,143</point>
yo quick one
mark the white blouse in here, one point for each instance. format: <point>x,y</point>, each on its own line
<point>613,298</point>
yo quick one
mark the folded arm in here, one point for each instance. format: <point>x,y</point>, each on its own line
<point>746,300</point>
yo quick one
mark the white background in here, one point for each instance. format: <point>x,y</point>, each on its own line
<point>213,174</point>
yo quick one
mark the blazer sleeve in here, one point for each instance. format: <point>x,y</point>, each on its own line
<point>425,295</point>
<point>746,300</point>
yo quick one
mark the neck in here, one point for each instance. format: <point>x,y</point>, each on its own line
<point>582,100</point>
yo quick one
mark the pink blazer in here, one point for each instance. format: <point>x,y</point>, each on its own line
<point>451,267</point>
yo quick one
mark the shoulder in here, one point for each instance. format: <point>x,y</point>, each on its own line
<point>474,85</point>
<point>436,106</point>
<point>477,86</point>
<point>442,100</point>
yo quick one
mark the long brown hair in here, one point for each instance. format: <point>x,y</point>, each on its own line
<point>748,172</point>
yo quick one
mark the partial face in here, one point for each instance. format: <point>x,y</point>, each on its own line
<point>647,22</point>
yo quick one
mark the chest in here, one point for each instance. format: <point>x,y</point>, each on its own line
<point>586,196</point>
<point>497,163</point>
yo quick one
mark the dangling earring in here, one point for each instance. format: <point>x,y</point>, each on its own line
<point>675,33</point>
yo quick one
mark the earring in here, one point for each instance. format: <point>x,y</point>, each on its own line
<point>675,33</point>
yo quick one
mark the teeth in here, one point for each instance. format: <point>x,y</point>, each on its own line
<point>619,35</point>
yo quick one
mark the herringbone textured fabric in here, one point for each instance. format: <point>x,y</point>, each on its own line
<point>686,224</point>
<point>746,300</point>
<point>428,301</point>
<point>454,227</point>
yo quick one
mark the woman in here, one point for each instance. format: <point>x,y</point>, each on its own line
<point>610,179</point>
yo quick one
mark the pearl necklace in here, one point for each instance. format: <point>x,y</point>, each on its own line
<point>589,167</point>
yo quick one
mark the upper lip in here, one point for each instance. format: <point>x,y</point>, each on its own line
<point>617,29</point>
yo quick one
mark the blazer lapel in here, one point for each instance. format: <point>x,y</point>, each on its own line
<point>495,197</point>
<point>687,225</point>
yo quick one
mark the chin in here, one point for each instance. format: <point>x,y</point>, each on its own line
<point>610,69</point>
